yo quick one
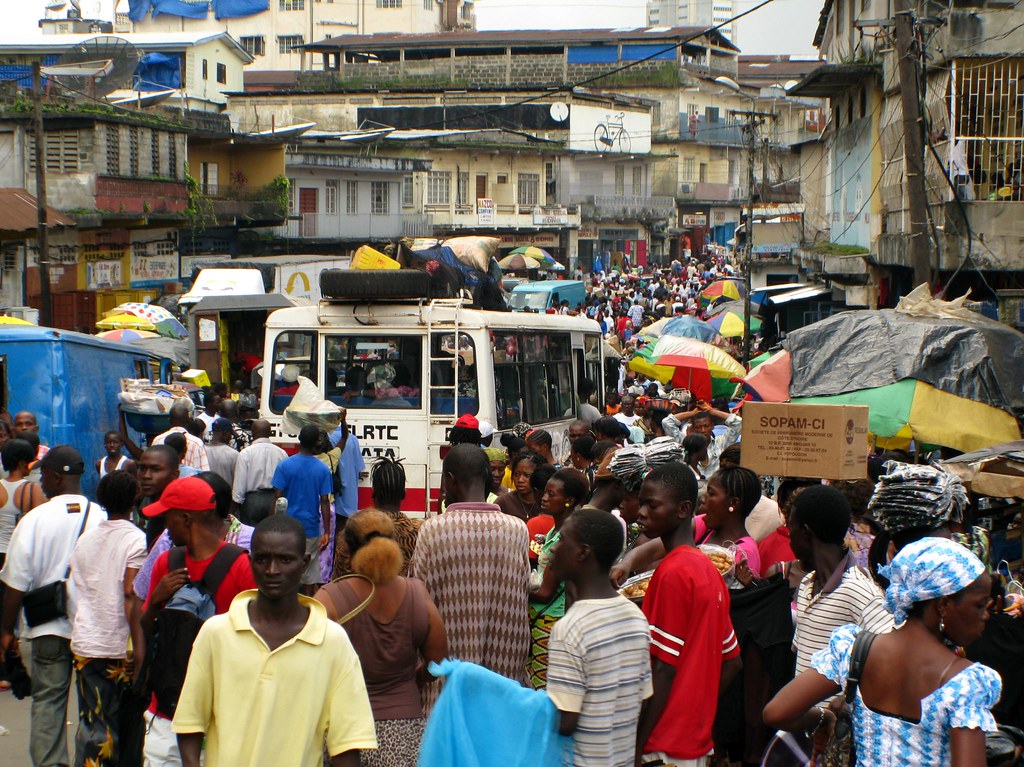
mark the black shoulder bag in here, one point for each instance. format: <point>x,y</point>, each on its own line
<point>50,602</point>
<point>840,751</point>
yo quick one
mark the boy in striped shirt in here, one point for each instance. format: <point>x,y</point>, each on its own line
<point>599,670</point>
<point>694,651</point>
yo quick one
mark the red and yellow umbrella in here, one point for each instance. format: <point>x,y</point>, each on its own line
<point>702,368</point>
<point>721,289</point>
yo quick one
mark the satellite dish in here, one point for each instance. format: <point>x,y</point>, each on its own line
<point>559,111</point>
<point>98,66</point>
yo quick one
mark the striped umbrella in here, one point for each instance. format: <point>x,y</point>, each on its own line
<point>687,363</point>
<point>687,326</point>
<point>727,289</point>
<point>124,335</point>
<point>729,324</point>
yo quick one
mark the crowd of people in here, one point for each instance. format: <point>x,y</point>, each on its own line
<point>642,599</point>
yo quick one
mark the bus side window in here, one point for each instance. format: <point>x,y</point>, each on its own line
<point>294,356</point>
<point>443,386</point>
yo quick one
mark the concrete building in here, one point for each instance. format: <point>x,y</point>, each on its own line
<point>693,13</point>
<point>276,34</point>
<point>192,70</point>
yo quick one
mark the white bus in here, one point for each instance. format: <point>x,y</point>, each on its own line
<point>394,363</point>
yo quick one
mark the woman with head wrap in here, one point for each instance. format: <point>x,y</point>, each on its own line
<point>497,460</point>
<point>918,702</point>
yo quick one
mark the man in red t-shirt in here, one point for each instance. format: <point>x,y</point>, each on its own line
<point>192,521</point>
<point>694,651</point>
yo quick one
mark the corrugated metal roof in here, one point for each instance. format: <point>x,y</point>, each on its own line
<point>18,212</point>
<point>527,37</point>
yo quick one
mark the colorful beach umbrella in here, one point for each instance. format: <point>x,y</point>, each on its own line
<point>721,289</point>
<point>532,251</point>
<point>120,321</point>
<point>125,335</point>
<point>729,324</point>
<point>911,409</point>
<point>686,326</point>
<point>150,312</point>
<point>705,370</point>
<point>518,262</point>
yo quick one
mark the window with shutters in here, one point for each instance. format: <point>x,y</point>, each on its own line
<point>380,198</point>
<point>529,189</point>
<point>222,74</point>
<point>462,189</point>
<point>638,181</point>
<point>255,45</point>
<point>291,5</point>
<point>288,43</point>
<point>352,198</point>
<point>389,3</point>
<point>331,197</point>
<point>439,187</point>
<point>620,180</point>
<point>407,191</point>
<point>60,152</point>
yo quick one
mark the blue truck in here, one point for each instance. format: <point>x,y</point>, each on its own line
<point>70,381</point>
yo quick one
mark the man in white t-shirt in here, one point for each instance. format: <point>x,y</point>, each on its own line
<point>38,555</point>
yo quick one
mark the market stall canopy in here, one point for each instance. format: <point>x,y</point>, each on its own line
<point>996,471</point>
<point>705,370</point>
<point>730,324</point>
<point>19,213</point>
<point>914,410</point>
<point>120,321</point>
<point>959,352</point>
<point>518,263</point>
<point>727,289</point>
<point>6,319</point>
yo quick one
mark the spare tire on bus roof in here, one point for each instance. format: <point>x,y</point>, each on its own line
<point>384,283</point>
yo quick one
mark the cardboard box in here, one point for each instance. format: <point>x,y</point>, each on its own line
<point>197,377</point>
<point>815,441</point>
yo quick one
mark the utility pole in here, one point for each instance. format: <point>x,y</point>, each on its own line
<point>42,235</point>
<point>913,143</point>
<point>754,119</point>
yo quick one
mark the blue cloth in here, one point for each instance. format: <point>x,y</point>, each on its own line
<point>158,72</point>
<point>180,8</point>
<point>236,9</point>
<point>928,569</point>
<point>350,467</point>
<point>963,702</point>
<point>137,9</point>
<point>302,479</point>
<point>471,724</point>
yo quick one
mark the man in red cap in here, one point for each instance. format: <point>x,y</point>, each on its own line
<point>465,431</point>
<point>189,505</point>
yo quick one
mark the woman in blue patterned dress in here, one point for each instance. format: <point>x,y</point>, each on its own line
<point>919,704</point>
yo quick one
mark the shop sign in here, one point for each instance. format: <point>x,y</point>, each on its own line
<point>774,247</point>
<point>485,211</point>
<point>553,216</point>
<point>540,239</point>
<point>694,219</point>
<point>620,234</point>
<point>154,268</point>
<point>587,232</point>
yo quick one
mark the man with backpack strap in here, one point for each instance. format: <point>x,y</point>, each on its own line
<point>190,583</point>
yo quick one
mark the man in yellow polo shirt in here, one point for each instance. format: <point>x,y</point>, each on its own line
<point>272,678</point>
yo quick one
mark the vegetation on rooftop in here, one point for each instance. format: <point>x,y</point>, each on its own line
<point>834,249</point>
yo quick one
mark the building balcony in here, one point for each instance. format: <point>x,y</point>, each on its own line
<point>721,132</point>
<point>503,216</point>
<point>627,208</point>
<point>363,228</point>
<point>246,205</point>
<point>703,191</point>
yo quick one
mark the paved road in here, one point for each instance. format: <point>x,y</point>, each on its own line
<point>14,718</point>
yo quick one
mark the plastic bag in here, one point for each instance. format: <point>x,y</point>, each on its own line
<point>308,407</point>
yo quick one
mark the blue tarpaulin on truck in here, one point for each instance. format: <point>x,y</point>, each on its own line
<point>158,72</point>
<point>234,9</point>
<point>137,9</point>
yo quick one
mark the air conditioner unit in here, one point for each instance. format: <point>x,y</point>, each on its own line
<point>686,188</point>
